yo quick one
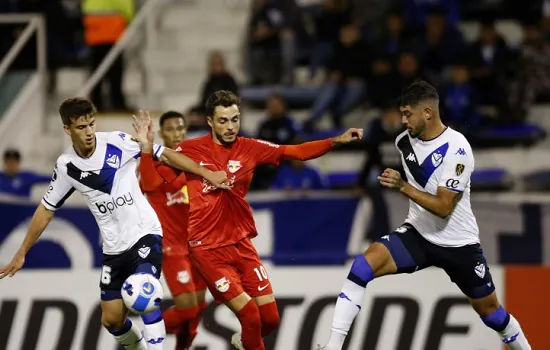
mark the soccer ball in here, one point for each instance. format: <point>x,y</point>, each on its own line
<point>142,293</point>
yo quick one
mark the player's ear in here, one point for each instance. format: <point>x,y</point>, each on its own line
<point>67,130</point>
<point>209,120</point>
<point>428,113</point>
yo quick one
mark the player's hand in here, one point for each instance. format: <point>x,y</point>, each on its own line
<point>15,265</point>
<point>391,179</point>
<point>350,135</point>
<point>218,179</point>
<point>143,126</point>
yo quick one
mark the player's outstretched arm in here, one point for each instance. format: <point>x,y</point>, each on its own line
<point>441,204</point>
<point>315,149</point>
<point>40,220</point>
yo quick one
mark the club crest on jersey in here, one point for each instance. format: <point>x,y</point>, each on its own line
<point>183,277</point>
<point>459,169</point>
<point>222,285</point>
<point>480,270</point>
<point>113,161</point>
<point>437,158</point>
<point>233,166</point>
<point>144,251</point>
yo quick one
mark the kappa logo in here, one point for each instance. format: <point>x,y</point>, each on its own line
<point>144,251</point>
<point>233,166</point>
<point>437,158</point>
<point>122,135</point>
<point>480,270</point>
<point>461,152</point>
<point>113,161</point>
<point>386,237</point>
<point>222,285</point>
<point>84,175</point>
<point>411,157</point>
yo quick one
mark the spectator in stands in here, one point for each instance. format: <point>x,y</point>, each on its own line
<point>489,59</point>
<point>104,22</point>
<point>15,182</point>
<point>197,124</point>
<point>293,37</point>
<point>218,77</point>
<point>443,42</point>
<point>264,43</point>
<point>459,100</point>
<point>532,72</point>
<point>296,175</point>
<point>279,127</point>
<point>334,14</point>
<point>394,39</point>
<point>346,81</point>
<point>381,132</point>
<point>418,11</point>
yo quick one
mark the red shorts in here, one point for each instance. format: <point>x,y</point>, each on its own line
<point>180,274</point>
<point>228,271</point>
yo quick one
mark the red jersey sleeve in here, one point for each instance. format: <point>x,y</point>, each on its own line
<point>153,175</point>
<point>265,152</point>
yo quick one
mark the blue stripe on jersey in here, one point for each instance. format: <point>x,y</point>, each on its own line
<point>421,172</point>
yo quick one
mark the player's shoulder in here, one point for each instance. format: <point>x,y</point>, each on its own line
<point>254,142</point>
<point>457,141</point>
<point>116,137</point>
<point>401,136</point>
<point>64,158</point>
<point>193,143</point>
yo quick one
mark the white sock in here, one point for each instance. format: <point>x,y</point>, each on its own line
<point>513,336</point>
<point>348,306</point>
<point>132,340</point>
<point>155,334</point>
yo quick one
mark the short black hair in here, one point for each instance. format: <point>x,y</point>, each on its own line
<point>74,108</point>
<point>12,153</point>
<point>169,115</point>
<point>417,92</point>
<point>221,98</point>
<point>198,109</point>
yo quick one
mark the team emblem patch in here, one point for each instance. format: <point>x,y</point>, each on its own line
<point>459,169</point>
<point>480,270</point>
<point>437,158</point>
<point>183,277</point>
<point>222,285</point>
<point>233,166</point>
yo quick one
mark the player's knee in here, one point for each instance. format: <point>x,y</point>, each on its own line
<point>497,320</point>
<point>270,317</point>
<point>380,259</point>
<point>112,320</point>
<point>249,316</point>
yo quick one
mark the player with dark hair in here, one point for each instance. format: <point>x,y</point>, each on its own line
<point>102,167</point>
<point>221,225</point>
<point>440,229</point>
<point>171,202</point>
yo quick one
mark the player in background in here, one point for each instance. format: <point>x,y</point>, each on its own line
<point>440,229</point>
<point>102,167</point>
<point>171,203</point>
<point>221,225</point>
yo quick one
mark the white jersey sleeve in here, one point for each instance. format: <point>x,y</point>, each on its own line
<point>131,147</point>
<point>60,188</point>
<point>458,167</point>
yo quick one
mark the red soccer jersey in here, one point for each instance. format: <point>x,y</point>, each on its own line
<point>223,217</point>
<point>172,207</point>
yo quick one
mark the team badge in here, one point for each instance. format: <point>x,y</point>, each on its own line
<point>234,166</point>
<point>222,285</point>
<point>183,277</point>
<point>480,270</point>
<point>459,169</point>
<point>437,158</point>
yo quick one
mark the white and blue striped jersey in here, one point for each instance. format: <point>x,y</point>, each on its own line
<point>108,182</point>
<point>446,161</point>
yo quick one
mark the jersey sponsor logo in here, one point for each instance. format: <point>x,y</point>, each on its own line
<point>195,243</point>
<point>461,152</point>
<point>54,174</point>
<point>270,144</point>
<point>233,166</point>
<point>113,160</point>
<point>437,158</point>
<point>114,203</point>
<point>184,277</point>
<point>411,157</point>
<point>261,288</point>
<point>480,270</point>
<point>459,169</point>
<point>208,187</point>
<point>222,285</point>
<point>204,163</point>
<point>452,183</point>
<point>179,197</point>
<point>144,251</point>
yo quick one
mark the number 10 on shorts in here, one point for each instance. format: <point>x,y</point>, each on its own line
<point>261,273</point>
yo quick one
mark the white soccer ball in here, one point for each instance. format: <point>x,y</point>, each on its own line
<point>142,293</point>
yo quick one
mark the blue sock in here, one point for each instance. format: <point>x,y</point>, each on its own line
<point>498,320</point>
<point>153,317</point>
<point>120,331</point>
<point>361,273</point>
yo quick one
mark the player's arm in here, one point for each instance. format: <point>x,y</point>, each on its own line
<point>315,149</point>
<point>441,204</point>
<point>153,176</point>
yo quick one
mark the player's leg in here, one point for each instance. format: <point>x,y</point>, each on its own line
<point>398,252</point>
<point>467,267</point>
<point>147,259</point>
<point>256,283</point>
<point>113,311</point>
<point>217,267</point>
<point>200,295</point>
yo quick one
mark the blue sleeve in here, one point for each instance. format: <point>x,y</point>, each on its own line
<point>39,178</point>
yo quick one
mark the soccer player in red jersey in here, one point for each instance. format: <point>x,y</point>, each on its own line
<point>171,203</point>
<point>221,225</point>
